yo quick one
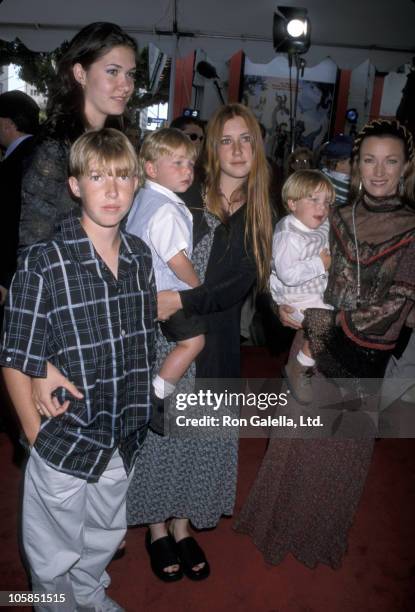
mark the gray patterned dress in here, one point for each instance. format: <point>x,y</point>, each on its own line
<point>305,496</point>
<point>186,477</point>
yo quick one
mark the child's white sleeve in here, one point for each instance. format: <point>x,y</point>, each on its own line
<point>169,233</point>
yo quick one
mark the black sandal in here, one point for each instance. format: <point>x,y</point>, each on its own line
<point>163,554</point>
<point>190,554</point>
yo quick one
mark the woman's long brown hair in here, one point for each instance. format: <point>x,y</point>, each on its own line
<point>258,226</point>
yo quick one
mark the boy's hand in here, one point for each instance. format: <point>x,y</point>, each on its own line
<point>43,388</point>
<point>325,258</point>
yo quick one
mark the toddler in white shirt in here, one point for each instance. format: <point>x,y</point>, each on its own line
<point>160,218</point>
<point>300,260</point>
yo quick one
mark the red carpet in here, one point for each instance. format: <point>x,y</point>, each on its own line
<point>378,573</point>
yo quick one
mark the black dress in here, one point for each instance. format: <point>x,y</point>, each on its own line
<point>230,274</point>
<point>194,476</point>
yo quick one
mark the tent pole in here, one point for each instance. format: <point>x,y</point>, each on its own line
<point>173,66</point>
<point>172,83</point>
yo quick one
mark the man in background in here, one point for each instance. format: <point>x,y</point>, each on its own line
<point>19,121</point>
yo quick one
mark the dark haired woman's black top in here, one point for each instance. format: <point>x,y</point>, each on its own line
<point>45,192</point>
<point>46,198</point>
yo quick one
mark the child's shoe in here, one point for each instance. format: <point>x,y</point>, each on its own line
<point>299,381</point>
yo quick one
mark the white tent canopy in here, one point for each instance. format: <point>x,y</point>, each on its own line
<point>348,31</point>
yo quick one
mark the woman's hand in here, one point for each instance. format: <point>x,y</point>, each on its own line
<point>42,389</point>
<point>168,303</point>
<point>284,312</point>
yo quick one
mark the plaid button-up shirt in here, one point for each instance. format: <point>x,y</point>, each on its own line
<point>65,306</point>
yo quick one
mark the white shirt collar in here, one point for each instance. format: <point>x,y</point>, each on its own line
<point>164,190</point>
<point>15,144</point>
<point>301,225</point>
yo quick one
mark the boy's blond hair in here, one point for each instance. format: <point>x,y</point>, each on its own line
<point>303,182</point>
<point>106,150</point>
<point>162,142</point>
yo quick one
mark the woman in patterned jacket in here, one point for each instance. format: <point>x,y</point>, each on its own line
<point>94,81</point>
<point>307,491</point>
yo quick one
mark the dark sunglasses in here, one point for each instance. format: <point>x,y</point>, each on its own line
<point>194,136</point>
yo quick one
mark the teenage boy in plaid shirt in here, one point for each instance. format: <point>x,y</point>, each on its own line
<point>85,303</point>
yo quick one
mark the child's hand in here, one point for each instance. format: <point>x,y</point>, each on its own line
<point>42,392</point>
<point>284,313</point>
<point>325,258</point>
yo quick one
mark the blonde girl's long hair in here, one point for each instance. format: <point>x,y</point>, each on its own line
<point>258,225</point>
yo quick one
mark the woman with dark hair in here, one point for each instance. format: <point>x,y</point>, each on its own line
<point>192,478</point>
<point>95,79</point>
<point>306,492</point>
<point>371,282</point>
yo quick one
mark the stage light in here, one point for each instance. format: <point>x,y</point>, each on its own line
<point>296,28</point>
<point>291,30</point>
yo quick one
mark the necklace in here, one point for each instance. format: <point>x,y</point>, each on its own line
<point>356,246</point>
<point>233,205</point>
<point>229,204</point>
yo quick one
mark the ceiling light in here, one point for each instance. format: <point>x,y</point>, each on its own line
<point>291,30</point>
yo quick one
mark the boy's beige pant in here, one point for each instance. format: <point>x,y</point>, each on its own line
<point>71,530</point>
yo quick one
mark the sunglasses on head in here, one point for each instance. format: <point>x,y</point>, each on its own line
<point>194,136</point>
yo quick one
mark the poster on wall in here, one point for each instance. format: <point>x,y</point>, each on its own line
<point>269,98</point>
